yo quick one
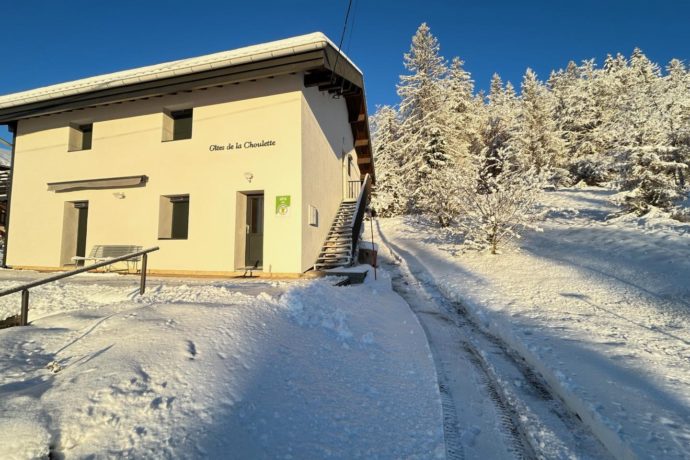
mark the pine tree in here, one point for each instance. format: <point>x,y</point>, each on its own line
<point>536,140</point>
<point>578,115</point>
<point>425,129</point>
<point>652,168</point>
<point>675,111</point>
<point>498,121</point>
<point>389,197</point>
<point>463,109</point>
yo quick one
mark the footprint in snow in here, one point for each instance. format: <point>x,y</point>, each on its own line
<point>191,349</point>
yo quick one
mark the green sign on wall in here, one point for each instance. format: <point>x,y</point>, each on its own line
<point>282,205</point>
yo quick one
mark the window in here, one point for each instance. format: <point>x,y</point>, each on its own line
<point>349,166</point>
<point>80,137</point>
<point>173,218</point>
<point>177,125</point>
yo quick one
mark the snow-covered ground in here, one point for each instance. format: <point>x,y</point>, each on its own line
<point>599,307</point>
<point>249,369</point>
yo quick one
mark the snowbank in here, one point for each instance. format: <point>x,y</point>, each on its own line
<point>241,370</point>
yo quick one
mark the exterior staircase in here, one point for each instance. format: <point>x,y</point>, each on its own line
<point>338,248</point>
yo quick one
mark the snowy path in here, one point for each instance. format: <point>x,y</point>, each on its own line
<point>599,308</point>
<point>494,406</point>
<point>219,370</point>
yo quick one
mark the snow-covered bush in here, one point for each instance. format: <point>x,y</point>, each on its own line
<point>559,177</point>
<point>681,214</point>
<point>494,208</point>
<point>652,179</point>
<point>590,171</point>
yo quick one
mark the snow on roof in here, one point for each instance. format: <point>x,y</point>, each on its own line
<point>279,48</point>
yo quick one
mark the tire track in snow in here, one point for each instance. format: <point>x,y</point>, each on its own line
<point>507,415</point>
<point>451,430</point>
<point>495,364</point>
<point>514,445</point>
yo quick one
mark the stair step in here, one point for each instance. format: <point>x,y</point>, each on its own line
<point>319,267</point>
<point>332,251</point>
<point>334,262</point>
<point>335,255</point>
<point>336,250</point>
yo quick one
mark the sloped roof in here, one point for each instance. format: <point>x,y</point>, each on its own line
<point>248,54</point>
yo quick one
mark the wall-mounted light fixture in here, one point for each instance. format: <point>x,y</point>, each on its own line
<point>119,195</point>
<point>249,176</point>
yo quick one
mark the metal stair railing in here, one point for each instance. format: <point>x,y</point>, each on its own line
<point>353,189</point>
<point>24,288</point>
<point>358,217</point>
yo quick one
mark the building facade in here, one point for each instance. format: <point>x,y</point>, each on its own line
<point>232,160</point>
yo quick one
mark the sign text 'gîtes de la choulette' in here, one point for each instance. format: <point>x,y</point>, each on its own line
<point>241,145</point>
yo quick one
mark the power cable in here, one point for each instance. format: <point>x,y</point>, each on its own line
<point>352,27</point>
<point>340,45</point>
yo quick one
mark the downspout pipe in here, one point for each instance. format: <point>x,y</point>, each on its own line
<point>13,129</point>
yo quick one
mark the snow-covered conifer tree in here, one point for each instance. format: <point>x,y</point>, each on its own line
<point>463,109</point>
<point>389,195</point>
<point>652,168</point>
<point>497,123</point>
<point>424,129</point>
<point>577,116</point>
<point>536,140</point>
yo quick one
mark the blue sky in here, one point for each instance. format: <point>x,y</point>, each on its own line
<point>50,42</point>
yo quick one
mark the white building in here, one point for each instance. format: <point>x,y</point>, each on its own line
<point>235,159</point>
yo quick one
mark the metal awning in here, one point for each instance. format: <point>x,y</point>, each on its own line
<point>95,184</point>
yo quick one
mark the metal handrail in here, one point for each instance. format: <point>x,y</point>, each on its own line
<point>24,288</point>
<point>353,189</point>
<point>358,217</point>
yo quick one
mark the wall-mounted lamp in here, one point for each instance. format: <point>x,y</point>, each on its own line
<point>119,195</point>
<point>249,176</point>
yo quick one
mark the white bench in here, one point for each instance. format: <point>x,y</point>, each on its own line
<point>103,252</point>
